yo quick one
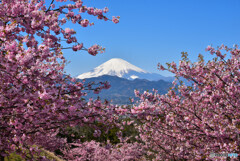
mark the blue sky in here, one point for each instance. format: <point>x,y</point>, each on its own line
<point>156,31</point>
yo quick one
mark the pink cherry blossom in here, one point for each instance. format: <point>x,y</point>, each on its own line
<point>37,97</point>
<point>192,121</point>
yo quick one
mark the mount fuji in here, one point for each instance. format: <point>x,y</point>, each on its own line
<point>123,69</point>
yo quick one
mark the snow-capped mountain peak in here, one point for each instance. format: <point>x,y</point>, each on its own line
<point>115,67</point>
<point>121,68</point>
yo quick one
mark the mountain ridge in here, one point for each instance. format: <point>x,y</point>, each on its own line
<point>123,69</point>
<point>122,89</point>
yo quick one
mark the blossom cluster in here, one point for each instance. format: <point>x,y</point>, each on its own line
<point>192,121</point>
<point>37,98</point>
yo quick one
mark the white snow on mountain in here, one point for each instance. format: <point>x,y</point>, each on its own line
<point>134,77</point>
<point>115,67</point>
<point>121,68</point>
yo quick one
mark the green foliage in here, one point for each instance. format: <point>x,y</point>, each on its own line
<point>86,133</point>
<point>13,157</point>
<point>47,154</point>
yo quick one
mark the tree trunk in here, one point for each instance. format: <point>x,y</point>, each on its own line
<point>1,158</point>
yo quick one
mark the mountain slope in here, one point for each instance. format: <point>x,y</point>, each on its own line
<point>123,69</point>
<point>122,89</point>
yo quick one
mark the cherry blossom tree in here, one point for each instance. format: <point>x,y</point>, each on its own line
<point>192,121</point>
<point>37,98</point>
<point>95,151</point>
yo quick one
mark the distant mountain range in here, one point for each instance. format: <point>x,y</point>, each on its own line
<point>124,78</point>
<point>122,89</point>
<point>123,69</point>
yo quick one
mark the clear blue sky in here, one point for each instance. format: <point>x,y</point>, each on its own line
<point>156,31</point>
